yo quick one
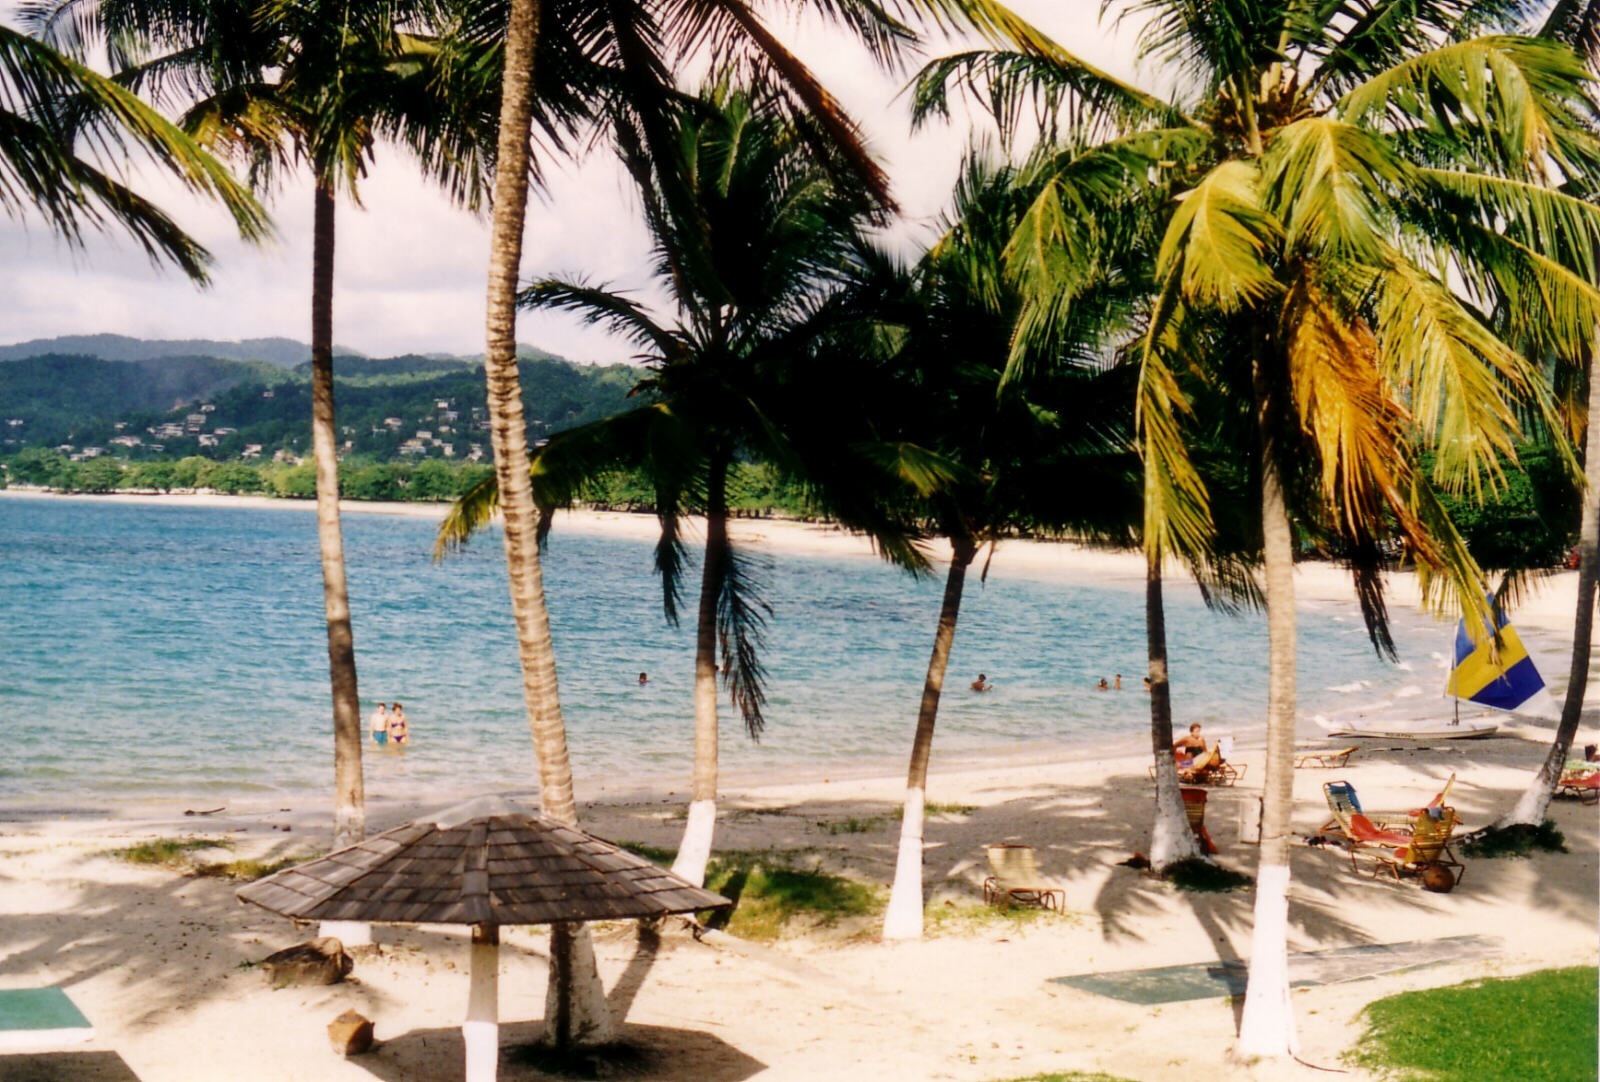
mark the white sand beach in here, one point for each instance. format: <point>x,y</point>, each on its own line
<point>160,962</point>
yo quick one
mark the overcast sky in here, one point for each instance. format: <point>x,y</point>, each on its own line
<point>409,266</point>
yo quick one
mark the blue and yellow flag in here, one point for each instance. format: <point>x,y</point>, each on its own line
<point>1506,681</point>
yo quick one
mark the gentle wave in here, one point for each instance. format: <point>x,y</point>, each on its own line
<point>176,651</point>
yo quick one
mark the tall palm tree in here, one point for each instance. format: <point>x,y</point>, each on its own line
<point>65,136</point>
<point>980,455</point>
<point>1575,23</point>
<point>281,84</point>
<point>1358,189</point>
<point>749,261</point>
<point>636,45</point>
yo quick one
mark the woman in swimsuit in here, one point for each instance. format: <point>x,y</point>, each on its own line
<point>397,726</point>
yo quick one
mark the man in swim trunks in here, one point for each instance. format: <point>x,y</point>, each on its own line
<point>380,725</point>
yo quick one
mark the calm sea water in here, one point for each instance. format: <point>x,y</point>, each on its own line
<point>154,651</point>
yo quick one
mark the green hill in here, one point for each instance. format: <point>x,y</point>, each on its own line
<point>281,352</point>
<point>412,407</point>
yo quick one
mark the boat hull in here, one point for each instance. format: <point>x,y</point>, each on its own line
<point>1441,731</point>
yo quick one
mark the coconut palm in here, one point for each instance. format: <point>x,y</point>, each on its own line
<point>50,107</point>
<point>1357,190</point>
<point>283,84</point>
<point>981,455</point>
<point>749,261</point>
<point>637,44</point>
<point>1577,24</point>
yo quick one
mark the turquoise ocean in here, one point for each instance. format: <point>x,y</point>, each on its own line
<point>153,652</point>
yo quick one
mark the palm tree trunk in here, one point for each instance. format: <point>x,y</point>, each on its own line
<point>349,815</point>
<point>698,832</point>
<point>575,1005</point>
<point>1267,1025</point>
<point>1531,807</point>
<point>1171,840</point>
<point>903,920</point>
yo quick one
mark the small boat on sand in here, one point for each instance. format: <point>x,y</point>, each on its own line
<point>1418,730</point>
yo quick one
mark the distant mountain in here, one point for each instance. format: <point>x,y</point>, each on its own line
<point>59,395</point>
<point>280,352</point>
<point>410,365</point>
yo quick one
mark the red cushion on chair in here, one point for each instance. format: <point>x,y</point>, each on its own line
<point>1363,830</point>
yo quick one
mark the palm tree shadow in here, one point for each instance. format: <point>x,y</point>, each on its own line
<point>626,990</point>
<point>66,1067</point>
<point>650,1052</point>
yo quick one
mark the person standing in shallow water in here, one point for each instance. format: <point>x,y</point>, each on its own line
<point>380,725</point>
<point>398,728</point>
<point>644,678</point>
<point>981,683</point>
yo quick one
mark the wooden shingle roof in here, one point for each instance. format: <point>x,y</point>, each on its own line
<point>487,862</point>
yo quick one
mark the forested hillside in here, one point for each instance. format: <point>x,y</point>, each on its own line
<point>177,406</point>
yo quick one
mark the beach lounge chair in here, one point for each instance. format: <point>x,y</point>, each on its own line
<point>1327,758</point>
<point>1582,782</point>
<point>1015,877</point>
<point>1194,807</point>
<point>1352,826</point>
<point>1429,844</point>
<point>1212,767</point>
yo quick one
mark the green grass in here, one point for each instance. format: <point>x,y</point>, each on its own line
<point>934,807</point>
<point>171,853</point>
<point>652,853</point>
<point>770,895</point>
<point>1203,877</point>
<point>177,854</point>
<point>1516,841</point>
<point>247,871</point>
<point>1536,1028</point>
<point>854,825</point>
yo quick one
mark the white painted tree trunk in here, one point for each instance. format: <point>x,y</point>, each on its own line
<point>481,1031</point>
<point>904,917</point>
<point>1534,802</point>
<point>903,920</point>
<point>695,850</point>
<point>700,830</point>
<point>352,933</point>
<point>1267,1027</point>
<point>1171,838</point>
<point>575,1001</point>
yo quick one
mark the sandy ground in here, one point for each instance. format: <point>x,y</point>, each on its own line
<point>159,961</point>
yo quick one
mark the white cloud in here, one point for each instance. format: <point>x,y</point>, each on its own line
<point>409,266</point>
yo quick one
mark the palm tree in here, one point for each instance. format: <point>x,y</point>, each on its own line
<point>313,83</point>
<point>635,45</point>
<point>1356,194</point>
<point>749,260</point>
<point>50,106</point>
<point>981,455</point>
<point>1577,24</point>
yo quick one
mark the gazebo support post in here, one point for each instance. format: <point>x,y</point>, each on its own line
<point>481,1031</point>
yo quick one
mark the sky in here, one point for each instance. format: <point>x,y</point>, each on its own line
<point>409,267</point>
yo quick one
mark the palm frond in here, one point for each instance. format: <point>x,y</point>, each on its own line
<point>1218,239</point>
<point>1328,183</point>
<point>742,614</point>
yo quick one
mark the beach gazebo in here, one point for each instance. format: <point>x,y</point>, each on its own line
<point>485,864</point>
